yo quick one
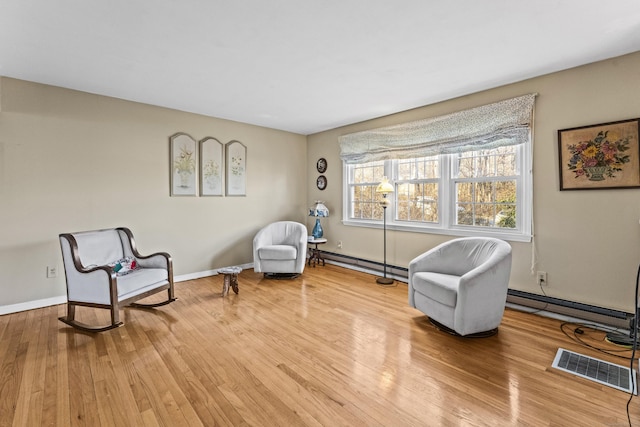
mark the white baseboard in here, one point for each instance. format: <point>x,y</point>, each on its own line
<point>31,305</point>
<point>62,299</point>
<point>193,276</point>
<point>207,273</point>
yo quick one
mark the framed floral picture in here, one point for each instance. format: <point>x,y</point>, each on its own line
<point>182,157</point>
<point>211,167</point>
<point>236,166</point>
<point>601,156</point>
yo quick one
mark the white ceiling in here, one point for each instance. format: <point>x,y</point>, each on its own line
<point>300,65</point>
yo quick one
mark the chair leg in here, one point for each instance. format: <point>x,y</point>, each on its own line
<point>115,315</point>
<point>71,313</point>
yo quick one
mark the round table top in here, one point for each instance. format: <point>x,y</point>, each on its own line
<point>230,270</point>
<point>312,240</point>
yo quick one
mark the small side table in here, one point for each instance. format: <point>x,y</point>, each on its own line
<point>315,257</point>
<point>230,279</point>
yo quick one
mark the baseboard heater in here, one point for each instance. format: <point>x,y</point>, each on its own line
<point>365,265</point>
<point>592,313</point>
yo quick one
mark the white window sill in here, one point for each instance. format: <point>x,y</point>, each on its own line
<point>459,231</point>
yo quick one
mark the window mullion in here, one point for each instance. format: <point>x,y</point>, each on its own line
<point>447,190</point>
<point>391,171</point>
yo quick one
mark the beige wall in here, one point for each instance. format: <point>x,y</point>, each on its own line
<point>587,241</point>
<point>72,161</point>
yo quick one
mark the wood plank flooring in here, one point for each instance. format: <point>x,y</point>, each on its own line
<point>330,348</point>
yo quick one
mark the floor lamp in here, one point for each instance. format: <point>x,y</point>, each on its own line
<point>384,188</point>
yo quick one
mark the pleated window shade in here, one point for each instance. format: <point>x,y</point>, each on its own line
<point>489,126</point>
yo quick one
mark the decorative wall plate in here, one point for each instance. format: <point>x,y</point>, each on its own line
<point>321,165</point>
<point>321,182</point>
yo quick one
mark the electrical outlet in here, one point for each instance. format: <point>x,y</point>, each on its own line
<point>339,244</point>
<point>542,278</point>
<point>52,272</point>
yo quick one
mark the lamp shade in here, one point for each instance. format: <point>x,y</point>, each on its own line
<point>385,186</point>
<point>319,209</point>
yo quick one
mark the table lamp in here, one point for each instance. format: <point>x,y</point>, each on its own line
<point>318,210</point>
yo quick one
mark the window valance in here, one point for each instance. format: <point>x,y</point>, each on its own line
<point>494,125</point>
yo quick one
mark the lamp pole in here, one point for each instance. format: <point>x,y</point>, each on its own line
<point>384,280</point>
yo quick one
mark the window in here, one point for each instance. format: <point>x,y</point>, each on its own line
<point>485,192</point>
<point>486,184</point>
<point>464,173</point>
<point>363,180</point>
<point>417,182</point>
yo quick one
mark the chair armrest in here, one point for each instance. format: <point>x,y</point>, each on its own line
<point>481,285</point>
<point>262,238</point>
<point>155,260</point>
<point>301,246</point>
<point>97,285</point>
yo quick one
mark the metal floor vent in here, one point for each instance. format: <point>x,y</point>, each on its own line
<point>606,373</point>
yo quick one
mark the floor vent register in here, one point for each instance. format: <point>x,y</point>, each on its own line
<point>602,372</point>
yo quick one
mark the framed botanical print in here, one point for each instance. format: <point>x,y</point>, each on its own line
<point>236,166</point>
<point>182,152</point>
<point>601,156</point>
<point>211,167</point>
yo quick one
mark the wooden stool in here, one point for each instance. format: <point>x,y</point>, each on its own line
<point>230,279</point>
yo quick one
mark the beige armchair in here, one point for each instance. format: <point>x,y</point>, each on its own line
<point>462,284</point>
<point>104,269</point>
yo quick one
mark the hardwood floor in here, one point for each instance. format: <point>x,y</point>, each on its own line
<point>328,348</point>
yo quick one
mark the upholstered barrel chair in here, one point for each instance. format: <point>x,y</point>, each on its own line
<point>462,284</point>
<point>280,249</point>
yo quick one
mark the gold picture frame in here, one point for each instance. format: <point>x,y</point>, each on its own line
<point>601,156</point>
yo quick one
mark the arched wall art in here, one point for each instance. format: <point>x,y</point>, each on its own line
<point>236,166</point>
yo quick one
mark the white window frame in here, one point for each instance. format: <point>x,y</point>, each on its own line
<point>446,201</point>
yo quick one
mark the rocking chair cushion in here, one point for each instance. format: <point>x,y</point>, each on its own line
<point>140,280</point>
